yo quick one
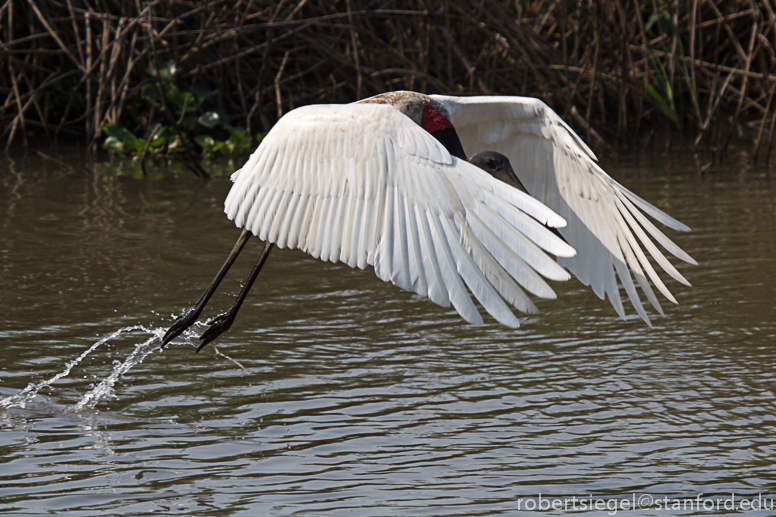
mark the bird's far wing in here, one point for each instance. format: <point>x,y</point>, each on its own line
<point>605,221</point>
<point>363,184</point>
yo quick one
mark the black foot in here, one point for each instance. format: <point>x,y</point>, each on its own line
<point>217,326</point>
<point>183,322</point>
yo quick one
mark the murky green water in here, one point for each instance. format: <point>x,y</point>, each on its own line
<point>359,398</point>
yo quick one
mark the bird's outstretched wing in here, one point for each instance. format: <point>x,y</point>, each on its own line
<point>605,221</point>
<point>364,185</point>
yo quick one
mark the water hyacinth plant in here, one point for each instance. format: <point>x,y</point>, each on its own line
<point>195,124</point>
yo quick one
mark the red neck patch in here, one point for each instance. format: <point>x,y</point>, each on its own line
<point>434,121</point>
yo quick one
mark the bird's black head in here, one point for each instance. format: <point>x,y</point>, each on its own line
<point>498,166</point>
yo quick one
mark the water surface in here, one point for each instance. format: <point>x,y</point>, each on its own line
<point>336,393</point>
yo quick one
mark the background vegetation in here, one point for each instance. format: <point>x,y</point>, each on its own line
<point>194,79</point>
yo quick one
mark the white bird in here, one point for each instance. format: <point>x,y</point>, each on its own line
<point>385,182</point>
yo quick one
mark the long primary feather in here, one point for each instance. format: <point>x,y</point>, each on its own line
<point>561,171</point>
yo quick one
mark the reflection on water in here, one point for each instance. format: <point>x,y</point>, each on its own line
<point>359,397</point>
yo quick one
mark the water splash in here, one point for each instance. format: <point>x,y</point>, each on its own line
<point>105,387</point>
<point>32,389</point>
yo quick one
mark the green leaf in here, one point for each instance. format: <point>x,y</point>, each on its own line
<point>178,98</point>
<point>176,144</point>
<point>211,119</point>
<point>201,92</point>
<point>236,132</point>
<point>713,109</point>
<point>666,24</point>
<point>158,141</point>
<point>686,75</point>
<point>138,146</point>
<point>206,143</point>
<point>127,136</point>
<point>667,110</point>
<point>222,116</point>
<point>150,92</point>
<point>190,123</point>
<point>664,19</point>
<point>132,109</point>
<point>189,99</point>
<point>239,141</point>
<point>113,144</point>
<point>111,129</point>
<point>668,107</point>
<point>158,128</point>
<point>167,70</point>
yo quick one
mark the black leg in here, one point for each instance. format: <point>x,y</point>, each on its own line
<point>188,318</point>
<point>222,322</point>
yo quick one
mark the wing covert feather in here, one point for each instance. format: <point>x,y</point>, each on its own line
<point>364,185</point>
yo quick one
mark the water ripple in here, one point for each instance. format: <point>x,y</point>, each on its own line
<point>355,397</point>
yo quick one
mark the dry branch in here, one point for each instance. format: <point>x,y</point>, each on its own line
<point>711,62</point>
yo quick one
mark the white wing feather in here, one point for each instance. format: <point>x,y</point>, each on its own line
<point>559,170</point>
<point>364,185</point>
